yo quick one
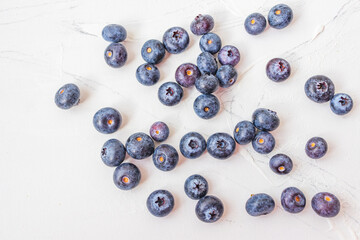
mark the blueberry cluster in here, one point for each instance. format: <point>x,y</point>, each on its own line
<point>115,54</point>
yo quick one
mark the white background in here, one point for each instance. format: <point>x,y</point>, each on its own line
<point>53,184</point>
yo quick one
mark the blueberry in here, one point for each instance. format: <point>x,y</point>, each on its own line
<point>126,176</point>
<point>147,74</point>
<point>341,103</point>
<point>159,131</point>
<point>176,40</point>
<point>160,203</point>
<point>278,69</point>
<point>227,76</point>
<point>207,63</point>
<point>281,164</point>
<point>140,145</point>
<point>107,120</point>
<point>316,147</point>
<point>170,93</point>
<point>229,55</point>
<point>67,96</point>
<point>153,51</point>
<point>113,153</point>
<point>264,142</point>
<point>207,84</point>
<point>325,204</point>
<point>220,145</point>
<point>209,209</point>
<point>115,55</point>
<point>202,24</point>
<point>255,23</point>
<point>293,200</point>
<point>186,74</point>
<point>210,43</point>
<point>114,33</point>
<point>196,186</point>
<point>259,204</point>
<point>192,145</point>
<point>280,16</point>
<point>165,157</point>
<point>244,132</point>
<point>319,88</point>
<point>265,119</point>
<point>206,106</point>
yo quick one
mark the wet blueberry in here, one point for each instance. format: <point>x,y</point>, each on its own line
<point>206,106</point>
<point>192,145</point>
<point>176,40</point>
<point>202,24</point>
<point>153,51</point>
<point>341,103</point>
<point>263,142</point>
<point>255,23</point>
<point>170,93</point>
<point>67,96</point>
<point>325,204</point>
<point>281,164</point>
<point>160,203</point>
<point>210,43</point>
<point>229,55</point>
<point>207,63</point>
<point>113,153</point>
<point>220,145</point>
<point>165,157</point>
<point>265,119</point>
<point>147,74</point>
<point>244,132</point>
<point>107,120</point>
<point>140,145</point>
<point>207,84</point>
<point>227,76</point>
<point>126,176</point>
<point>280,16</point>
<point>159,131</point>
<point>316,147</point>
<point>115,55</point>
<point>319,88</point>
<point>186,74</point>
<point>278,69</point>
<point>259,204</point>
<point>209,209</point>
<point>293,200</point>
<point>114,33</point>
<point>196,186</point>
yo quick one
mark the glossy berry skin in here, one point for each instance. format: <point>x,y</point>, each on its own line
<point>196,186</point>
<point>202,24</point>
<point>165,157</point>
<point>115,55</point>
<point>153,51</point>
<point>244,132</point>
<point>229,55</point>
<point>255,23</point>
<point>316,147</point>
<point>107,120</point>
<point>207,63</point>
<point>67,96</point>
<point>126,176</point>
<point>206,106</point>
<point>176,40</point>
<point>113,153</point>
<point>263,142</point>
<point>227,76</point>
<point>210,43</point>
<point>281,164</point>
<point>280,16</point>
<point>192,145</point>
<point>325,204</point>
<point>209,209</point>
<point>260,204</point>
<point>319,89</point>
<point>293,200</point>
<point>139,146</point>
<point>278,69</point>
<point>221,145</point>
<point>114,33</point>
<point>341,103</point>
<point>170,93</point>
<point>186,74</point>
<point>265,119</point>
<point>147,74</point>
<point>207,84</point>
<point>159,131</point>
<point>160,203</point>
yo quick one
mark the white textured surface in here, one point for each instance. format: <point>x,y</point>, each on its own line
<point>53,184</point>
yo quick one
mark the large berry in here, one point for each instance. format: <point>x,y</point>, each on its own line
<point>115,55</point>
<point>263,142</point>
<point>196,186</point>
<point>341,103</point>
<point>192,145</point>
<point>147,74</point>
<point>319,88</point>
<point>316,147</point>
<point>244,132</point>
<point>325,204</point>
<point>210,42</point>
<point>170,93</point>
<point>221,145</point>
<point>209,209</point>
<point>207,63</point>
<point>165,157</point>
<point>255,23</point>
<point>265,119</point>
<point>227,76</point>
<point>176,40</point>
<point>281,164</point>
<point>260,204</point>
<point>159,131</point>
<point>202,24</point>
<point>160,203</point>
<point>67,96</point>
<point>207,84</point>
<point>126,176</point>
<point>278,69</point>
<point>114,33</point>
<point>206,106</point>
<point>280,16</point>
<point>140,145</point>
<point>293,200</point>
<point>113,153</point>
<point>153,51</point>
<point>186,74</point>
<point>229,55</point>
<point>107,120</point>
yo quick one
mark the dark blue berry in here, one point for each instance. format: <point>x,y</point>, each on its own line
<point>280,16</point>
<point>176,40</point>
<point>196,186</point>
<point>244,132</point>
<point>107,120</point>
<point>227,76</point>
<point>159,131</point>
<point>67,96</point>
<point>209,209</point>
<point>229,55</point>
<point>260,204</point>
<point>140,145</point>
<point>325,204</point>
<point>165,157</point>
<point>316,147</point>
<point>206,106</point>
<point>220,145</point>
<point>210,43</point>
<point>170,93</point>
<point>255,23</point>
<point>265,119</point>
<point>113,153</point>
<point>207,63</point>
<point>293,200</point>
<point>207,84</point>
<point>147,74</point>
<point>153,51</point>
<point>160,203</point>
<point>202,24</point>
<point>114,33</point>
<point>115,55</point>
<point>278,69</point>
<point>281,164</point>
<point>186,74</point>
<point>126,176</point>
<point>319,88</point>
<point>341,103</point>
<point>263,142</point>
<point>192,145</point>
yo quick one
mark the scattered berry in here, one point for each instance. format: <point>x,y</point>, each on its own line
<point>325,204</point>
<point>153,51</point>
<point>319,88</point>
<point>255,23</point>
<point>113,153</point>
<point>209,209</point>
<point>186,74</point>
<point>280,16</point>
<point>140,145</point>
<point>114,33</point>
<point>265,119</point>
<point>160,203</point>
<point>210,43</point>
<point>126,176</point>
<point>207,84</point>
<point>196,186</point>
<point>244,132</point>
<point>229,55</point>
<point>206,106</point>
<point>341,103</point>
<point>278,69</point>
<point>107,120</point>
<point>170,93</point>
<point>293,200</point>
<point>220,145</point>
<point>192,145</point>
<point>115,55</point>
<point>147,74</point>
<point>227,76</point>
<point>202,24</point>
<point>207,63</point>
<point>259,204</point>
<point>159,131</point>
<point>281,164</point>
<point>165,157</point>
<point>67,96</point>
<point>264,142</point>
<point>176,40</point>
<point>316,147</point>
